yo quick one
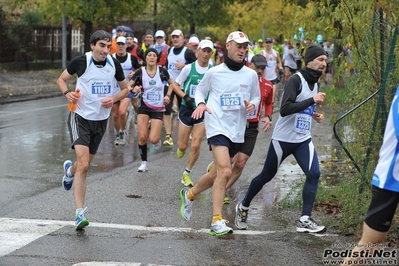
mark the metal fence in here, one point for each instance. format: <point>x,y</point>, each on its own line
<point>369,95</point>
<point>32,44</point>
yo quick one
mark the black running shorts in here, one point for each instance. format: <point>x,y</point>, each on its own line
<point>382,209</point>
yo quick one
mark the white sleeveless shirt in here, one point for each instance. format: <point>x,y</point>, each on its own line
<point>95,84</point>
<point>127,66</point>
<point>295,128</point>
<point>172,59</point>
<point>153,90</point>
<point>271,69</point>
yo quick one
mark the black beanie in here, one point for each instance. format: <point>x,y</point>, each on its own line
<point>151,50</point>
<point>312,52</point>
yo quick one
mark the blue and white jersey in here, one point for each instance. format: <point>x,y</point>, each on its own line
<point>386,175</point>
<point>95,84</point>
<point>295,128</point>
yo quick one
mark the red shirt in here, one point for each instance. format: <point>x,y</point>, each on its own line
<point>266,99</point>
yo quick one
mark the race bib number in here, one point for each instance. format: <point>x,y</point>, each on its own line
<point>154,96</point>
<point>172,66</point>
<point>192,90</point>
<point>99,88</point>
<point>231,101</point>
<point>302,123</point>
<point>271,64</point>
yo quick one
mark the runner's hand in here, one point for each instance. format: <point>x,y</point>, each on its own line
<point>250,107</point>
<point>189,102</point>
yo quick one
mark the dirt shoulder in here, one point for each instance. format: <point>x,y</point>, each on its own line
<point>29,85</point>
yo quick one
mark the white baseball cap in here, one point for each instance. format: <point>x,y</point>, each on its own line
<point>160,33</point>
<point>205,44</point>
<point>238,37</point>
<point>177,33</point>
<point>194,40</point>
<point>121,39</point>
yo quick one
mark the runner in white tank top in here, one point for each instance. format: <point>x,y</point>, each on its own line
<point>274,66</point>
<point>97,72</point>
<point>149,81</point>
<point>129,64</point>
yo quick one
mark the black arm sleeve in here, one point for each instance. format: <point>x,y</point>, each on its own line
<point>135,62</point>
<point>77,65</point>
<point>190,56</point>
<point>119,75</point>
<point>288,103</point>
<point>137,77</point>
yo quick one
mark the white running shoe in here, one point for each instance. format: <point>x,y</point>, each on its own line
<point>220,228</point>
<point>122,137</point>
<point>143,167</point>
<point>186,207</point>
<point>116,141</point>
<point>158,145</point>
<point>309,226</point>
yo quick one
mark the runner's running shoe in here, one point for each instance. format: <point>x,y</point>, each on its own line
<point>220,228</point>
<point>143,167</point>
<point>67,180</point>
<point>81,220</point>
<point>309,226</point>
<point>158,145</point>
<point>209,167</point>
<point>241,217</point>
<point>180,153</point>
<point>186,180</point>
<point>168,141</point>
<point>186,208</point>
<point>226,200</point>
<point>122,137</point>
<point>116,141</point>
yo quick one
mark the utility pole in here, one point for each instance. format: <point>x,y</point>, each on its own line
<point>155,13</point>
<point>64,38</point>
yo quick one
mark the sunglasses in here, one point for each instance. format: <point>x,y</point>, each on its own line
<point>261,67</point>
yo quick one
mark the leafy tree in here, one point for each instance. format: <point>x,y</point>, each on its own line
<point>31,18</point>
<point>262,18</point>
<point>189,15</point>
<point>87,13</point>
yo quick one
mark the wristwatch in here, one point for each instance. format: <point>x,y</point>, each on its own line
<point>270,117</point>
<point>66,92</point>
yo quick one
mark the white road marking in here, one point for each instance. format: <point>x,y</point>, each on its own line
<point>113,263</point>
<point>16,233</point>
<point>107,263</point>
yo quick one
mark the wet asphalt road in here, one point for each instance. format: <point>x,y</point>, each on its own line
<point>134,216</point>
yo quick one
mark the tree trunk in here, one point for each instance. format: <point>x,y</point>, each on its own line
<point>87,34</point>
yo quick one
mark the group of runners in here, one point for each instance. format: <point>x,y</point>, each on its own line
<point>223,101</point>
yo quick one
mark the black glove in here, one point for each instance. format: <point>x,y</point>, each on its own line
<point>189,102</point>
